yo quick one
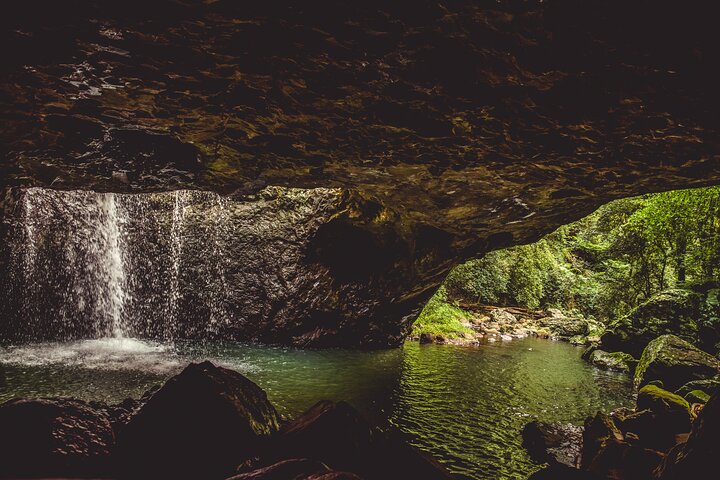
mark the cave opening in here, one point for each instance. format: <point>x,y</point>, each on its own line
<point>221,221</point>
<point>108,294</point>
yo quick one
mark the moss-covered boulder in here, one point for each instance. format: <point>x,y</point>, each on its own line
<point>670,410</point>
<point>710,386</point>
<point>675,362</point>
<point>617,361</point>
<point>566,327</point>
<point>673,311</point>
<point>697,396</point>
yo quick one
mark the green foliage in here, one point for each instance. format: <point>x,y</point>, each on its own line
<point>441,318</point>
<point>607,263</point>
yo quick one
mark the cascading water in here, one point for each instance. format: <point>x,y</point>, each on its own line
<point>107,264</point>
<point>163,266</point>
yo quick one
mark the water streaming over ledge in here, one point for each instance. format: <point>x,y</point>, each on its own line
<point>161,265</point>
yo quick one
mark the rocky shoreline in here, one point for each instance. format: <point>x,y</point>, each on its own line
<point>490,324</point>
<point>206,422</point>
<point>671,434</point>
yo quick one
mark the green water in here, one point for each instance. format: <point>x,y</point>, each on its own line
<point>464,405</point>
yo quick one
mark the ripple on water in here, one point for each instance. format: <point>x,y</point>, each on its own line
<point>465,405</point>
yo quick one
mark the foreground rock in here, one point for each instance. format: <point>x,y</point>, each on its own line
<point>610,453</point>
<point>675,362</point>
<point>202,423</point>
<point>698,457</point>
<point>53,437</point>
<point>300,469</point>
<point>553,443</point>
<point>339,437</point>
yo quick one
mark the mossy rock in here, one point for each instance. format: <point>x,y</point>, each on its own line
<point>616,361</point>
<point>697,396</point>
<point>675,362</point>
<point>710,386</point>
<point>667,406</point>
<point>673,311</point>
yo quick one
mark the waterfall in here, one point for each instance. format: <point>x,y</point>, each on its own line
<point>176,243</point>
<point>108,265</point>
<point>166,266</point>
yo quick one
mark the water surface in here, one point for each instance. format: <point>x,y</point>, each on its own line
<point>465,405</point>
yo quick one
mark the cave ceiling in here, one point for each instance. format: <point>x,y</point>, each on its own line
<point>472,124</point>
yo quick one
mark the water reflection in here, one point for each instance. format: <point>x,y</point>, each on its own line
<point>465,405</point>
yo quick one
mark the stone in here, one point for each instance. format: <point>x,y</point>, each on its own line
<point>698,456</point>
<point>675,362</point>
<point>54,438</point>
<point>652,430</point>
<point>617,361</point>
<point>673,311</point>
<point>566,327</point>
<point>670,409</point>
<point>553,442</point>
<point>709,386</point>
<point>598,431</point>
<point>697,396</point>
<point>339,437</point>
<point>201,423</point>
<point>561,472</point>
<point>286,469</point>
<point>619,460</point>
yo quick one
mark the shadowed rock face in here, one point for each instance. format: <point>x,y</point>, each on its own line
<point>456,127</point>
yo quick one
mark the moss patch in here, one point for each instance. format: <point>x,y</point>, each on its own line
<point>441,318</point>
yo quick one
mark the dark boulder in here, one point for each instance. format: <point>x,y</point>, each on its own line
<point>338,436</point>
<point>562,472</point>
<point>673,311</point>
<point>675,362</point>
<point>598,431</point>
<point>619,460</point>
<point>201,424</point>
<point>553,443</point>
<point>652,430</point>
<point>699,457</point>
<point>297,468</point>
<point>54,437</point>
<point>670,409</point>
<point>710,386</point>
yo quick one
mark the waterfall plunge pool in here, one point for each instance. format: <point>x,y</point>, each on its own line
<point>464,405</point>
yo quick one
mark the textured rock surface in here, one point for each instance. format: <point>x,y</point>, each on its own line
<point>553,443</point>
<point>200,424</point>
<point>697,458</point>
<point>51,437</point>
<point>672,311</point>
<point>458,128</point>
<point>618,361</point>
<point>675,362</point>
<point>335,434</point>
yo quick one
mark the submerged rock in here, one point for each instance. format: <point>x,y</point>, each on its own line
<point>617,361</point>
<point>54,437</point>
<point>553,443</point>
<point>675,362</point>
<point>201,423</point>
